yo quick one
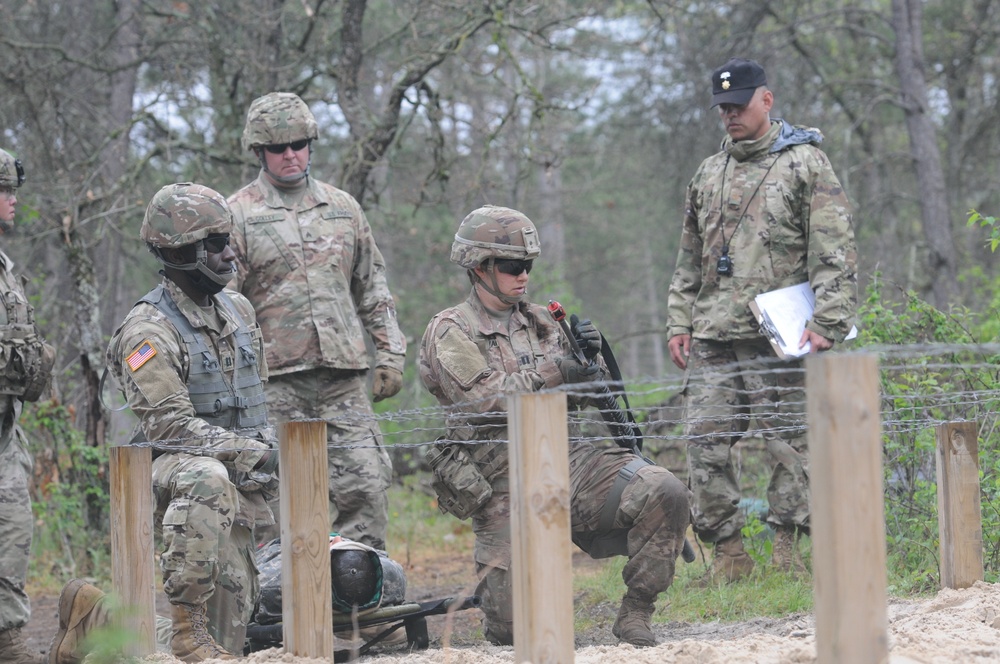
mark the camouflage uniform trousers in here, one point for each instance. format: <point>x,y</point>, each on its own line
<point>726,383</point>
<point>207,557</point>
<point>360,476</point>
<point>15,532</point>
<point>655,507</point>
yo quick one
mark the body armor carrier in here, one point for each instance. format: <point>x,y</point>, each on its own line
<point>467,473</point>
<point>25,359</point>
<point>236,405</point>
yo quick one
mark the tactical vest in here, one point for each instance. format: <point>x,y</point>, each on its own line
<point>25,359</point>
<point>236,405</point>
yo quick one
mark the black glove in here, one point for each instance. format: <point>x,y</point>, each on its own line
<point>574,372</point>
<point>587,336</point>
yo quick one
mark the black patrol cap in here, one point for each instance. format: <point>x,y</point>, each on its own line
<point>735,82</point>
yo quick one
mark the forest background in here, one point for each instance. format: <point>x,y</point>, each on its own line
<point>590,117</point>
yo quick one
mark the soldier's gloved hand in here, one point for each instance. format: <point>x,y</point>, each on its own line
<point>269,462</point>
<point>587,336</point>
<point>387,382</point>
<point>574,372</point>
<point>249,453</point>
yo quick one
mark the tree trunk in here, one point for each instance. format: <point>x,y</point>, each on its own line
<point>906,22</point>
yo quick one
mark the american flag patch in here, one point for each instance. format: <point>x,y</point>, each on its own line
<point>142,354</point>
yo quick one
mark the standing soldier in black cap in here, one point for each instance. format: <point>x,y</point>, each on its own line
<point>765,212</point>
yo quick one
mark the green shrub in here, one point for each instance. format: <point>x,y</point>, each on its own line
<point>70,498</point>
<point>931,372</point>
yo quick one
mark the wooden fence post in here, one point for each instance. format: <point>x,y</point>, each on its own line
<point>848,520</point>
<point>307,608</point>
<point>541,548</point>
<point>960,518</point>
<point>131,484</point>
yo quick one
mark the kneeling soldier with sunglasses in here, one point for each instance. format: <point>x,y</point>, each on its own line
<point>495,343</point>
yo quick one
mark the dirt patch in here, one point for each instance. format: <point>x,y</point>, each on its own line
<point>954,626</point>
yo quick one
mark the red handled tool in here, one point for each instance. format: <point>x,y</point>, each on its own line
<point>559,314</point>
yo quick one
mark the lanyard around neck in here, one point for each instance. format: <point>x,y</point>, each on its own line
<point>725,198</point>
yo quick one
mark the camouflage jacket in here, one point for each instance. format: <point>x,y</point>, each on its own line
<point>157,392</point>
<point>786,219</point>
<point>315,277</point>
<point>472,361</point>
<point>12,293</point>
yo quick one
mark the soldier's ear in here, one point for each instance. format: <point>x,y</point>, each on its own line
<point>768,99</point>
<point>178,255</point>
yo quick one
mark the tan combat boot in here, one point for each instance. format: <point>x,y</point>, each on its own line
<point>13,649</point>
<point>634,622</point>
<point>730,562</point>
<point>785,554</point>
<point>81,610</point>
<point>191,641</point>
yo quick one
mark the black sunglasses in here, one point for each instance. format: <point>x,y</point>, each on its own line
<point>512,267</point>
<point>280,148</point>
<point>216,244</point>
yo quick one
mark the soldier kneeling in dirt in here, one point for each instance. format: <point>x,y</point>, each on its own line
<point>496,343</point>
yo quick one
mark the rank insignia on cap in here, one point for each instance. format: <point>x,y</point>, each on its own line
<point>725,85</point>
<point>144,353</point>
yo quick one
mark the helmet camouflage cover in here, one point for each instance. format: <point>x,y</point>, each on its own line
<point>276,118</point>
<point>184,213</point>
<point>494,232</point>
<point>11,171</point>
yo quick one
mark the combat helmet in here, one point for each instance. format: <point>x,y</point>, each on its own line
<point>494,233</point>
<point>183,214</point>
<point>357,579</point>
<point>275,119</point>
<point>11,170</point>
<point>278,117</point>
<point>497,233</point>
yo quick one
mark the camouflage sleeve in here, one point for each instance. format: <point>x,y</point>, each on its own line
<point>454,370</point>
<point>686,281</point>
<point>374,303</point>
<point>238,241</point>
<point>832,261</point>
<point>147,358</point>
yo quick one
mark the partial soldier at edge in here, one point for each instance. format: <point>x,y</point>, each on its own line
<point>25,371</point>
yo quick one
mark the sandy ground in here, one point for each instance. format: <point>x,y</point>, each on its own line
<point>954,626</point>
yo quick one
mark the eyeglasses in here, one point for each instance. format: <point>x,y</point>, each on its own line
<point>279,148</point>
<point>216,244</point>
<point>512,267</point>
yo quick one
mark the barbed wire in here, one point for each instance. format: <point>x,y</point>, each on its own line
<point>922,386</point>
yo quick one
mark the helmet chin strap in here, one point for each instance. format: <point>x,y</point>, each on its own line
<point>290,179</point>
<point>494,288</point>
<point>202,277</point>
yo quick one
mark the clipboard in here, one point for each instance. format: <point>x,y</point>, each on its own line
<point>782,315</point>
<point>768,330</point>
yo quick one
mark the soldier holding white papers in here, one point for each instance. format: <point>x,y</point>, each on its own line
<point>765,212</point>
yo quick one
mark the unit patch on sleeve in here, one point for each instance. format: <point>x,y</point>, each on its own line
<point>142,354</point>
